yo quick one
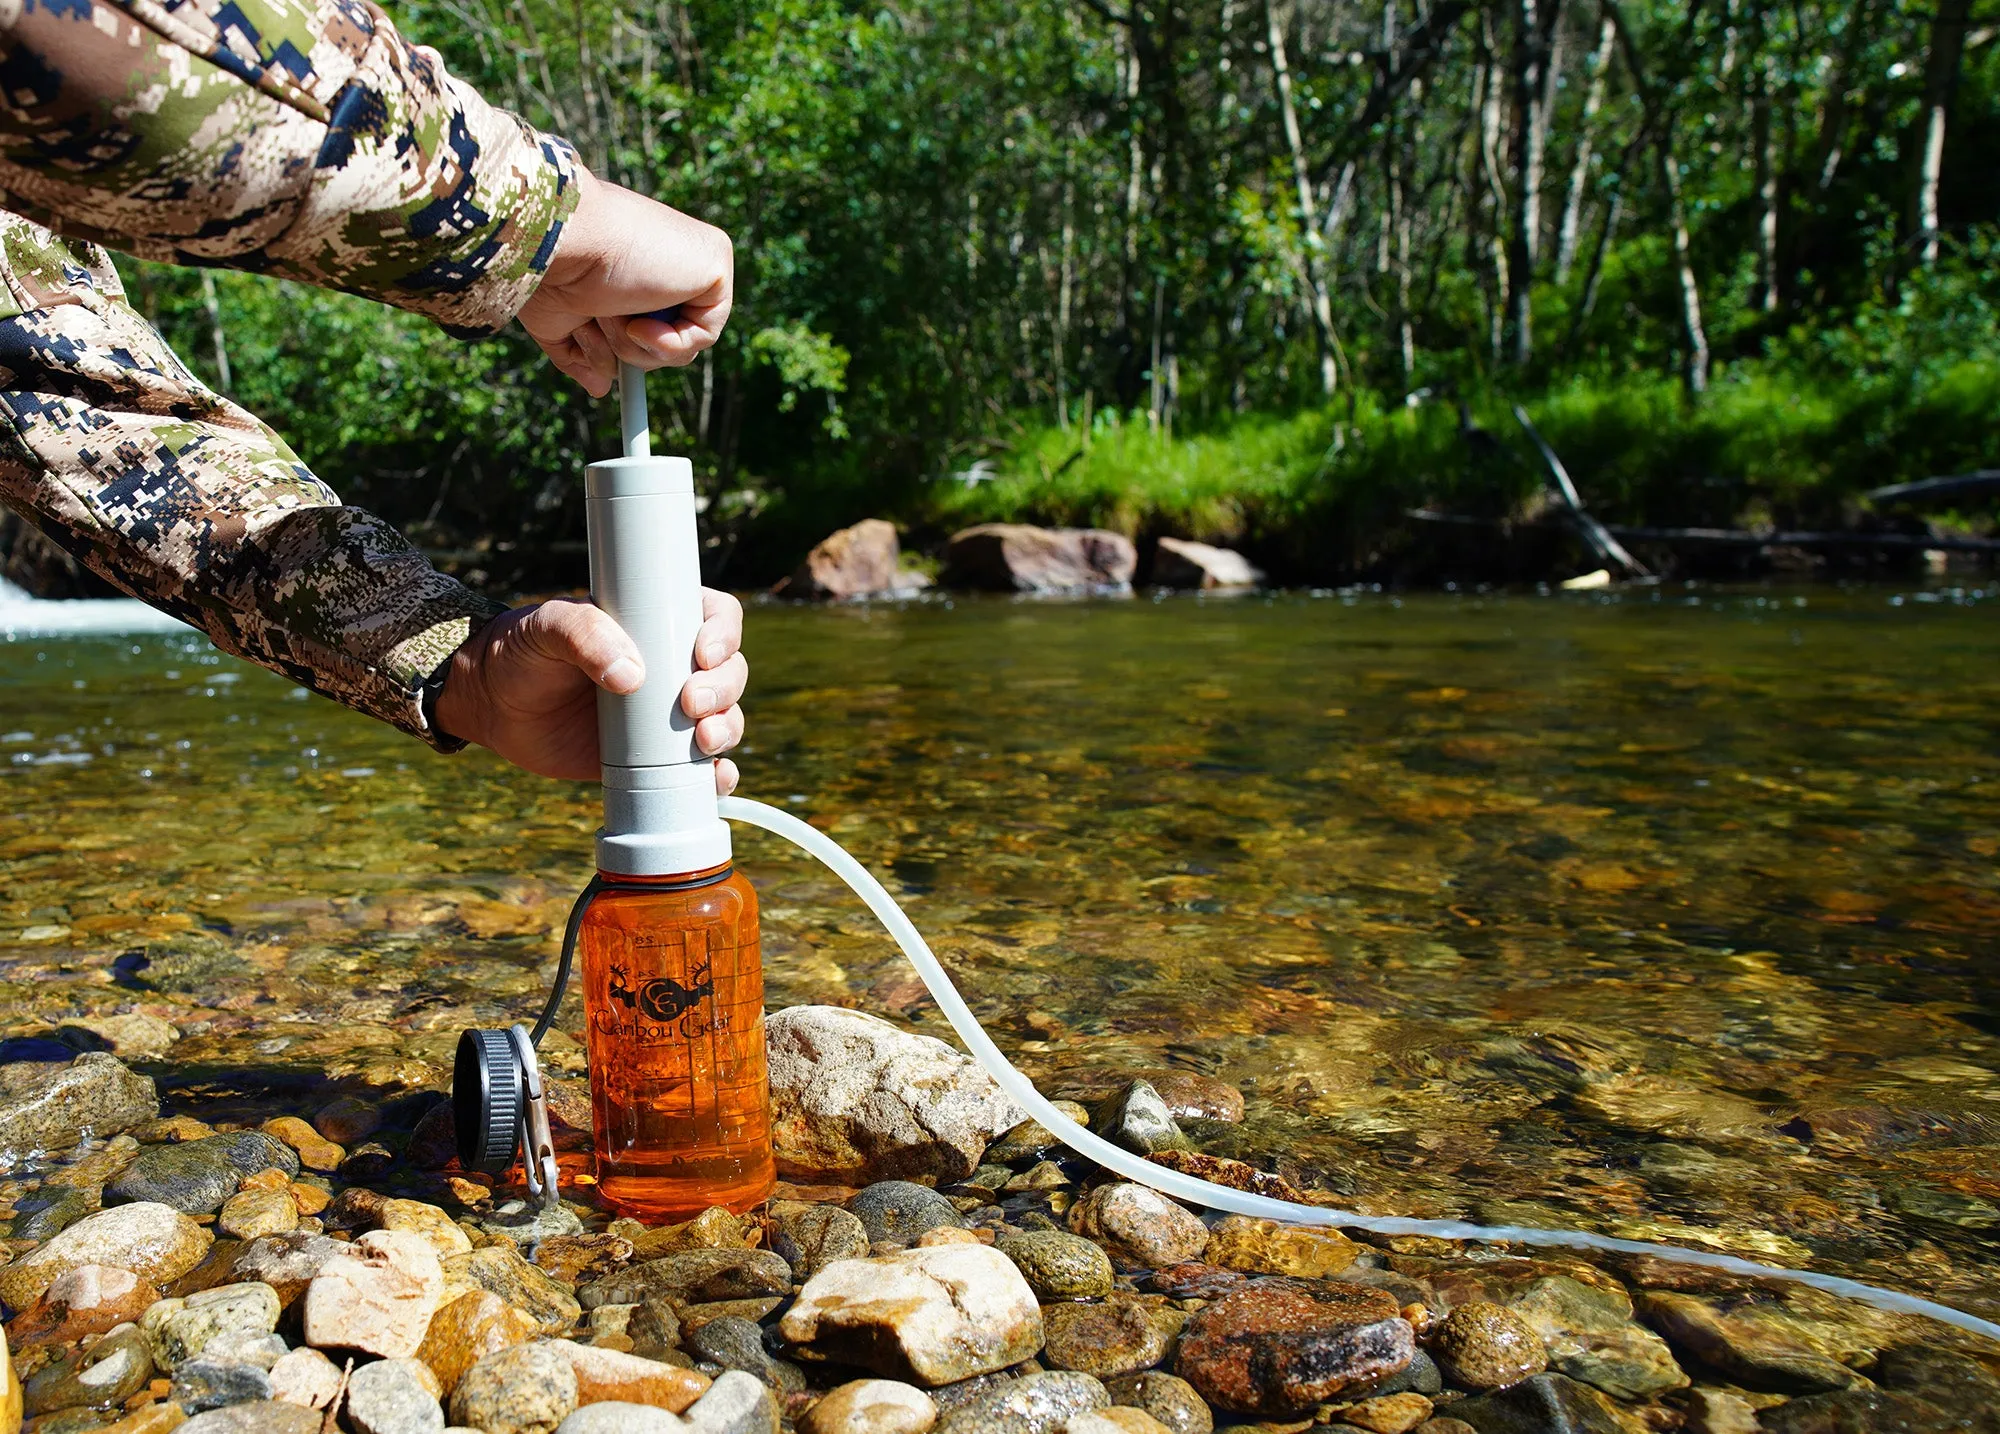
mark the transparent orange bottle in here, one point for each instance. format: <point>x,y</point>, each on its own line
<point>673,995</point>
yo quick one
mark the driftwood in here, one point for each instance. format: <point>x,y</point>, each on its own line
<point>1742,537</point>
<point>1601,540</point>
<point>1980,482</point>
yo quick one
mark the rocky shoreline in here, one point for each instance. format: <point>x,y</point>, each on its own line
<point>931,1261</point>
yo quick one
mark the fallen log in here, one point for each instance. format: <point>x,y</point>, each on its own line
<point>1740,537</point>
<point>1947,487</point>
<point>1602,541</point>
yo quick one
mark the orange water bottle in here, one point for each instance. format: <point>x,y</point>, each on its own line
<point>673,983</point>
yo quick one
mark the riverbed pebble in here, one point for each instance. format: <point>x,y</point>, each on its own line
<point>53,1106</point>
<point>1136,1119</point>
<point>152,1241</point>
<point>1058,1266</point>
<point>608,1374</point>
<point>393,1396</point>
<point>376,1297</point>
<point>1034,1404</point>
<point>1166,1397</point>
<point>525,1389</point>
<point>1118,1335</point>
<point>1482,1345</point>
<point>1244,1242</point>
<point>932,1316</point>
<point>811,1237</point>
<point>197,1176</point>
<point>466,1329</point>
<point>870,1406</point>
<point>1278,1346</point>
<point>897,1212</point>
<point>305,1377</point>
<point>1138,1226</point>
<point>253,1214</point>
<point>500,1270</point>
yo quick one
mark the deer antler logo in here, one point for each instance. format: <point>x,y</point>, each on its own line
<point>661,998</point>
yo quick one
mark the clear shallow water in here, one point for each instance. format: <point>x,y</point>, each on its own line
<point>1666,914</point>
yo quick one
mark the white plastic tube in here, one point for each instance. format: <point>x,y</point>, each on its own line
<point>1241,1202</point>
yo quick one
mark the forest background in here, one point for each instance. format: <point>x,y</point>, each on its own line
<point>1268,273</point>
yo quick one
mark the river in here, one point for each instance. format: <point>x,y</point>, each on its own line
<point>1665,912</point>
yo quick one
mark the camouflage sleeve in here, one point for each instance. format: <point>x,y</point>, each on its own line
<point>301,138</point>
<point>178,496</point>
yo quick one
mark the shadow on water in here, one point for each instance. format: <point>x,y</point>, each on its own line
<point>1664,913</point>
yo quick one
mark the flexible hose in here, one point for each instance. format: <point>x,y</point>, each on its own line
<point>1241,1202</point>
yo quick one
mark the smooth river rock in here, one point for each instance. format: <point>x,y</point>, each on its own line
<point>48,1107</point>
<point>932,1315</point>
<point>154,1242</point>
<point>197,1176</point>
<point>897,1212</point>
<point>377,1297</point>
<point>1058,1266</point>
<point>109,1372</point>
<point>393,1396</point>
<point>223,1313</point>
<point>1545,1404</point>
<point>811,1237</point>
<point>1167,1397</point>
<point>853,562</point>
<point>1119,1335</point>
<point>467,1329</point>
<point>1034,1404</point>
<point>1139,1226</point>
<point>1483,1346</point>
<point>855,1099</point>
<point>1269,1247</point>
<point>1277,1346</point>
<point>871,1406</point>
<point>269,1416</point>
<point>528,1389</point>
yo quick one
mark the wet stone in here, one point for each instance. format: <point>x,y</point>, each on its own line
<point>609,1374</point>
<point>1058,1266</point>
<point>962,1392</point>
<point>1031,1140</point>
<point>252,1214</point>
<point>1241,1242</point>
<point>713,1229</point>
<point>1855,1411</point>
<point>933,1316</point>
<point>1545,1404</point>
<point>615,1417</point>
<point>693,1277</point>
<point>811,1237</point>
<point>315,1152</point>
<point>467,1329</point>
<point>1756,1346</point>
<point>255,1417</point>
<point>392,1396</point>
<point>47,1213</point>
<point>226,1312</point>
<point>1419,1376</point>
<point>305,1377</point>
<point>1032,1404</point>
<point>52,1106</point>
<point>870,1406</point>
<point>527,1225</point>
<point>428,1223</point>
<point>526,1389</point>
<point>735,1404</point>
<point>89,1300</point>
<point>1483,1346</point>
<point>897,1212</point>
<point>579,1259</point>
<point>367,1162</point>
<point>287,1263</point>
<point>735,1343</point>
<point>109,1372</point>
<point>377,1296</point>
<point>208,1384</point>
<point>1139,1226</point>
<point>1136,1119</point>
<point>500,1270</point>
<point>1167,1397</point>
<point>197,1176</point>
<point>350,1120</point>
<point>1118,1336</point>
<point>1196,1280</point>
<point>1387,1413</point>
<point>1280,1346</point>
<point>152,1241</point>
<point>1189,1095</point>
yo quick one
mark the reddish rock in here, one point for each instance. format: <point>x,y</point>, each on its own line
<point>1014,557</point>
<point>1195,1280</point>
<point>1178,563</point>
<point>1220,1170</point>
<point>853,562</point>
<point>1279,1346</point>
<point>90,1299</point>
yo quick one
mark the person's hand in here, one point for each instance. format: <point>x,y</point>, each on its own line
<point>525,685</point>
<point>621,257</point>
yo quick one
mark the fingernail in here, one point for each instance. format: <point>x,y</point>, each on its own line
<point>714,654</point>
<point>702,699</point>
<point>624,675</point>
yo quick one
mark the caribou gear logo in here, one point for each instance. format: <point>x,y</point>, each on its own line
<point>660,1008</point>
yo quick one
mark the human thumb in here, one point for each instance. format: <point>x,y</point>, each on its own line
<point>585,637</point>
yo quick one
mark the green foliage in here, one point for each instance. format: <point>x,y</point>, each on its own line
<point>961,226</point>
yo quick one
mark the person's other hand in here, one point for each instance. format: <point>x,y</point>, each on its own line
<point>620,258</point>
<point>525,685</point>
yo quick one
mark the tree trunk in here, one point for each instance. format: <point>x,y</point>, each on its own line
<point>1828,152</point>
<point>213,304</point>
<point>1765,295</point>
<point>1697,335</point>
<point>1532,74</point>
<point>1312,263</point>
<point>1940,79</point>
<point>1579,172</point>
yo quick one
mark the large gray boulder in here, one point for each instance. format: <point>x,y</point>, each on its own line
<point>1014,557</point>
<point>855,1099</point>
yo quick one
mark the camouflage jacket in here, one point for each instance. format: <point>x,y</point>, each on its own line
<point>299,138</point>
